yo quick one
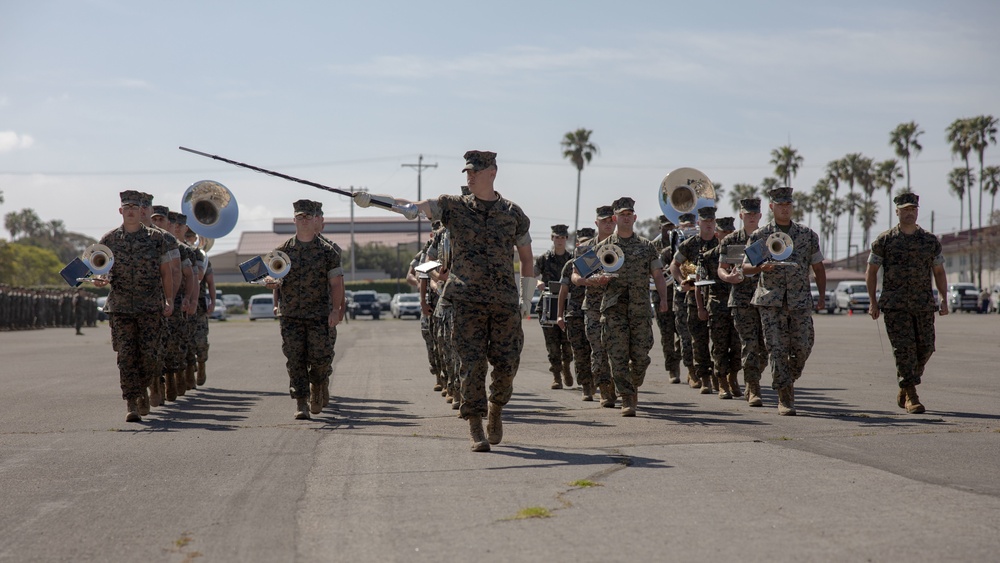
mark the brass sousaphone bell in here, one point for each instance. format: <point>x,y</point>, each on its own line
<point>211,209</point>
<point>685,190</point>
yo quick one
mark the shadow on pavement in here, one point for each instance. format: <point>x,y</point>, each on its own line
<point>350,412</point>
<point>549,458</point>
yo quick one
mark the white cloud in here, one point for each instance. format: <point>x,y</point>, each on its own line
<point>11,140</point>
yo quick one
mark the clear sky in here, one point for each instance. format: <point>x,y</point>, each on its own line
<point>96,96</point>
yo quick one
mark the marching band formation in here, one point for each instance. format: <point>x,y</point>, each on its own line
<point>726,298</point>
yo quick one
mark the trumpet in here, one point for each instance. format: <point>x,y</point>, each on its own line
<point>612,257</point>
<point>266,269</point>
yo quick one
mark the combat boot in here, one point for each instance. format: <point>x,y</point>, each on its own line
<point>143,402</point>
<point>786,401</point>
<point>315,399</point>
<point>675,376</point>
<point>479,442</point>
<point>180,383</point>
<point>608,395</point>
<point>132,407</point>
<point>693,380</point>
<point>913,405</point>
<point>202,377</point>
<point>494,424</point>
<point>706,385</point>
<point>171,393</point>
<point>155,395</point>
<point>628,404</point>
<point>724,392</point>
<point>588,391</point>
<point>556,381</point>
<point>734,384</point>
<point>753,394</point>
<point>567,375</point>
<point>189,376</point>
<point>901,398</point>
<point>325,391</point>
<point>302,408</point>
<point>456,400</point>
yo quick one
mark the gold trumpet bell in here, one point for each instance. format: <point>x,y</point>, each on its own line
<point>685,190</point>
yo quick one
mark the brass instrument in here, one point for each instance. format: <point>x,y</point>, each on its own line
<point>780,246</point>
<point>685,190</point>
<point>211,209</point>
<point>98,258</point>
<point>277,263</point>
<point>612,257</point>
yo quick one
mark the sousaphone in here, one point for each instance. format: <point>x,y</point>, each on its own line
<point>685,190</point>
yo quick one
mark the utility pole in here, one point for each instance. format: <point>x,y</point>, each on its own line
<point>420,169</point>
<point>353,250</point>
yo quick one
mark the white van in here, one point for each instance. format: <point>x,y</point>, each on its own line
<point>261,306</point>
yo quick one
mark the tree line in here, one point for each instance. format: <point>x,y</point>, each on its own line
<point>863,176</point>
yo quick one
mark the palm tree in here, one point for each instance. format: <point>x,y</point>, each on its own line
<point>786,162</point>
<point>904,141</point>
<point>867,213</point>
<point>960,137</point>
<point>803,206</point>
<point>579,150</point>
<point>983,132</point>
<point>741,191</point>
<point>991,183</point>
<point>886,174</point>
<point>854,166</point>
<point>822,196</point>
<point>957,183</point>
<point>837,207</point>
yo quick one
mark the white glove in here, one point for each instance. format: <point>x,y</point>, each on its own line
<point>365,199</point>
<point>527,292</point>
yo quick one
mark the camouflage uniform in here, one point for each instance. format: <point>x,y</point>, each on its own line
<point>907,300</point>
<point>576,330</point>
<point>692,250</point>
<point>304,294</point>
<point>444,325</point>
<point>626,318</point>
<point>600,367</point>
<point>785,303</point>
<point>483,293</point>
<point>667,321</point>
<point>427,322</point>
<point>722,330</point>
<point>681,313</point>
<point>746,318</point>
<point>548,268</point>
<point>136,304</point>
<point>201,323</point>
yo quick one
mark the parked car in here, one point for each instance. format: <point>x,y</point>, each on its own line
<point>383,300</point>
<point>261,306</point>
<point>101,315</point>
<point>831,304</point>
<point>233,302</point>
<point>851,296</point>
<point>405,304</point>
<point>221,312</point>
<point>963,297</point>
<point>365,303</point>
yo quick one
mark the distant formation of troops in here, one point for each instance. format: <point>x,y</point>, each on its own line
<point>24,308</point>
